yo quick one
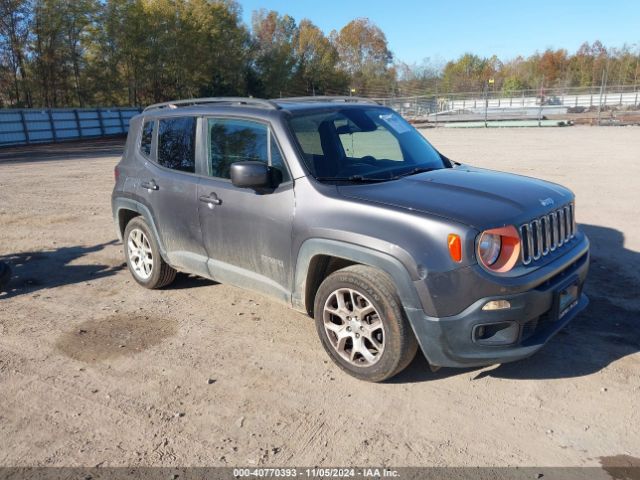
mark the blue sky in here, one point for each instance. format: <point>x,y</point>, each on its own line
<point>443,30</point>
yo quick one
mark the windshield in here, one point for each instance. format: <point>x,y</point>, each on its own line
<point>372,143</point>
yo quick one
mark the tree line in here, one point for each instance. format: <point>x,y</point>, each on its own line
<point>590,66</point>
<point>56,53</point>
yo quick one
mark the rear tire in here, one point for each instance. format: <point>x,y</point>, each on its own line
<point>362,325</point>
<point>142,254</point>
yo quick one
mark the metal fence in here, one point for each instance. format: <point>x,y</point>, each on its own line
<point>27,126</point>
<point>601,105</point>
<point>524,104</point>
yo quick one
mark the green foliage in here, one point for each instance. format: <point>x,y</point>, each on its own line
<point>365,58</point>
<point>552,68</point>
<point>511,85</point>
<point>14,33</point>
<point>166,49</point>
<point>60,53</point>
<point>290,59</point>
<point>90,52</point>
<point>274,42</point>
<point>134,52</point>
<point>469,73</point>
<point>316,71</point>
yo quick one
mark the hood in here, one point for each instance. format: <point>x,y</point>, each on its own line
<point>473,196</point>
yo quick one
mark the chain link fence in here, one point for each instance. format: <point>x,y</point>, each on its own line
<point>613,105</point>
<point>595,105</point>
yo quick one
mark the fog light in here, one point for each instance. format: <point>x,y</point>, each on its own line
<point>503,333</point>
<point>497,305</point>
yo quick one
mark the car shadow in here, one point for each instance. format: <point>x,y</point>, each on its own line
<point>185,281</point>
<point>45,269</point>
<point>43,152</point>
<point>608,330</point>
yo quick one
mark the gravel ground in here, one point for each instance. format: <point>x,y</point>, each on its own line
<point>95,370</point>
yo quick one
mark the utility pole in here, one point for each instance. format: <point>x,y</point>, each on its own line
<point>486,102</point>
<point>541,102</point>
<point>635,72</point>
<point>603,81</point>
<point>437,106</point>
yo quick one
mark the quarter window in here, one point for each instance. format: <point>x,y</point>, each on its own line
<point>232,141</point>
<point>176,143</point>
<point>147,137</point>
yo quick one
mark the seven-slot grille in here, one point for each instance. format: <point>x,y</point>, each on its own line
<point>547,233</point>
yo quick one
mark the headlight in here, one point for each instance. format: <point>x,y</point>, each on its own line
<point>489,248</point>
<point>499,248</point>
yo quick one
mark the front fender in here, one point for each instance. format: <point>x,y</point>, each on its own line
<point>356,253</point>
<point>366,256</point>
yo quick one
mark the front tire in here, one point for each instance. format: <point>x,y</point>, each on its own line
<point>361,323</point>
<point>142,254</point>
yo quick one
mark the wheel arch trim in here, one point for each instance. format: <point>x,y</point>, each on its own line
<point>119,204</point>
<point>355,253</point>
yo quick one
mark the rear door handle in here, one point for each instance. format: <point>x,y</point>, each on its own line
<point>150,185</point>
<point>211,199</point>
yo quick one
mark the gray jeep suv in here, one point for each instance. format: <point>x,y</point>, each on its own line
<point>340,209</point>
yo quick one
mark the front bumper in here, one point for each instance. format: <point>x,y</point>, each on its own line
<point>451,342</point>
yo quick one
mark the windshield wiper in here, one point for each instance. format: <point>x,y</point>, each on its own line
<point>414,171</point>
<point>354,179</point>
<point>362,179</point>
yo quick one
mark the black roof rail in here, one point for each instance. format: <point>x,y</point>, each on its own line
<point>241,101</point>
<point>328,98</point>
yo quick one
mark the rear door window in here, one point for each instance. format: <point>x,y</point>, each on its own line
<point>177,143</point>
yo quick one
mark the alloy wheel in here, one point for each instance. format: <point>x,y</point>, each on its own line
<point>354,327</point>
<point>140,255</point>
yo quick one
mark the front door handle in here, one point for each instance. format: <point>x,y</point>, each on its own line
<point>150,185</point>
<point>211,199</point>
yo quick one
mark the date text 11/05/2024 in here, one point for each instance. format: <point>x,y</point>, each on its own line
<point>316,472</point>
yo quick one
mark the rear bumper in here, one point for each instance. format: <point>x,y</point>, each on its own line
<point>533,318</point>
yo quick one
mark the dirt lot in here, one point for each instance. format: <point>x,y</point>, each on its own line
<point>94,370</point>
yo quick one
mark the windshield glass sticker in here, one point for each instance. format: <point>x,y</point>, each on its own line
<point>396,122</point>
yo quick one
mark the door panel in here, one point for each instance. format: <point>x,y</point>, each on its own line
<point>170,191</point>
<point>174,206</point>
<point>249,231</point>
<point>247,235</point>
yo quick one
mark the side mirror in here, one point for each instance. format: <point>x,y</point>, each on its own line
<point>250,175</point>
